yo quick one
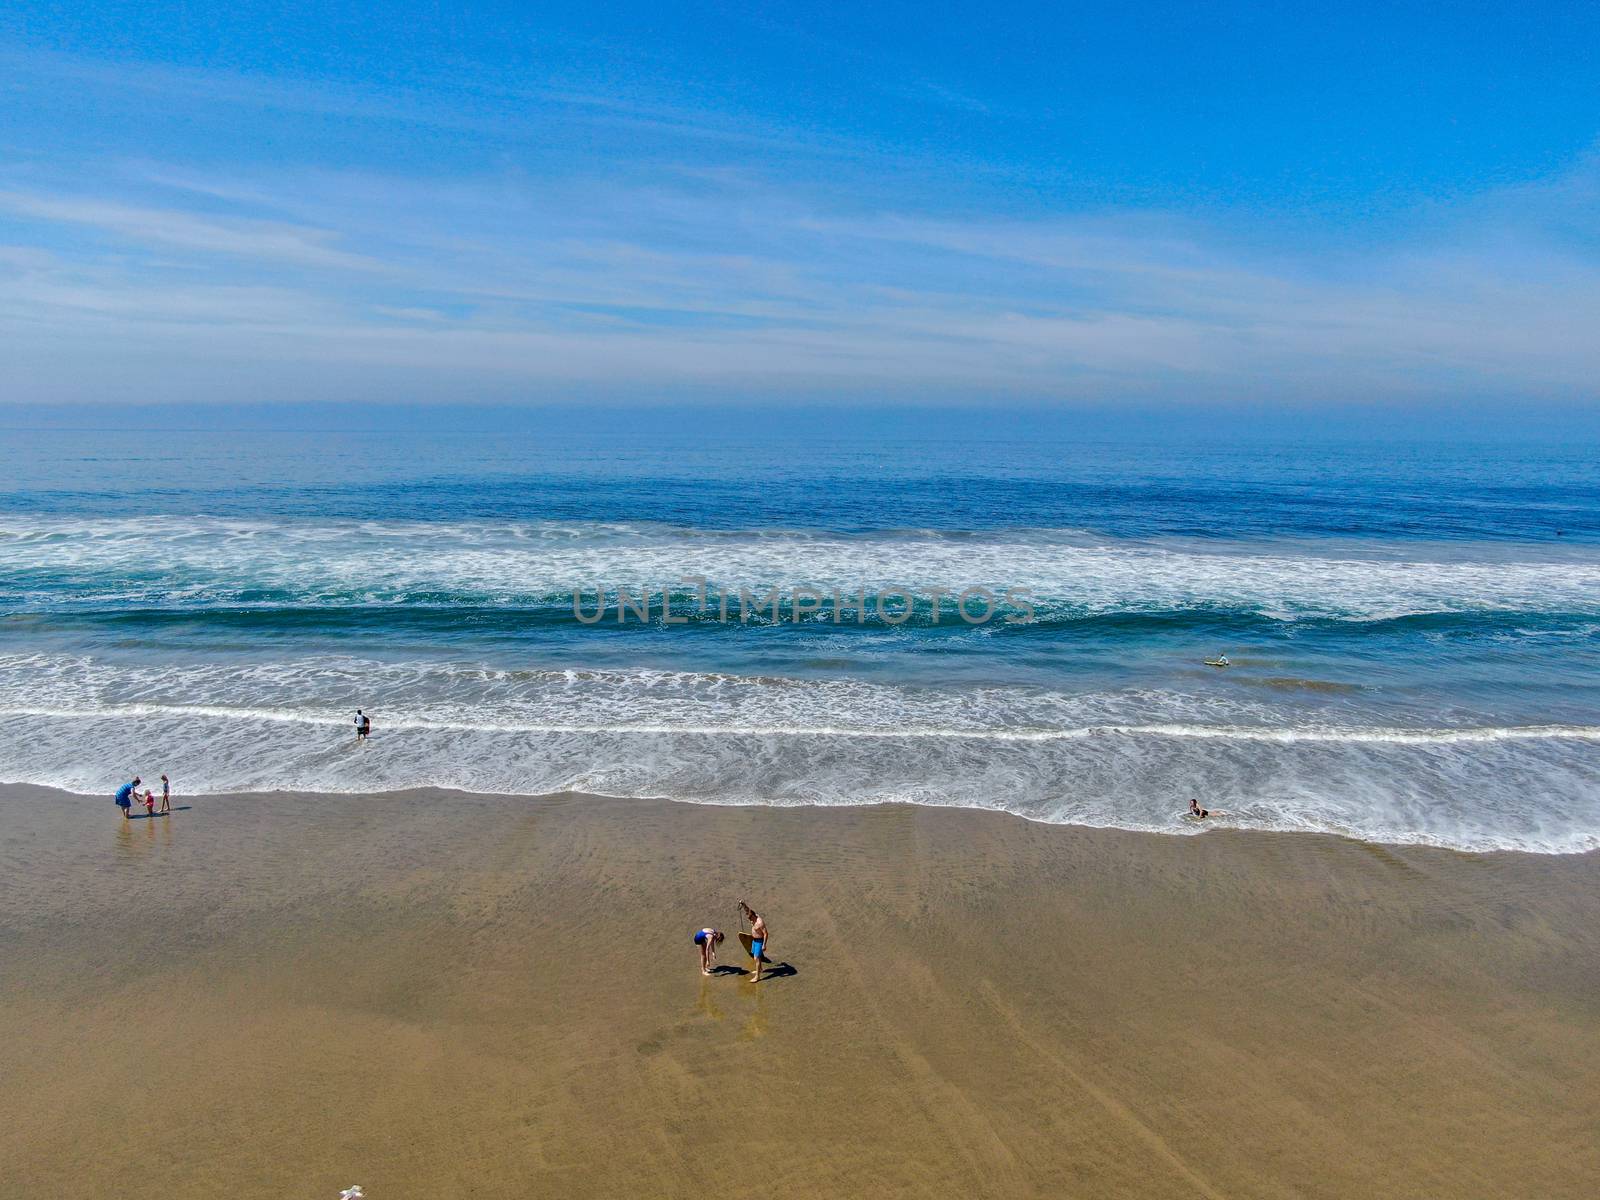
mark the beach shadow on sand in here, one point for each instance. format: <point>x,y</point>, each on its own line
<point>176,808</point>
<point>781,970</point>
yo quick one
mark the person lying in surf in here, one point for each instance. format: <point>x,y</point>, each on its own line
<point>1196,811</point>
<point>758,934</point>
<point>708,940</point>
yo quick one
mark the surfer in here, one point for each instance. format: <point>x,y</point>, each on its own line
<point>1220,660</point>
<point>363,725</point>
<point>1196,811</point>
<point>708,940</point>
<point>758,935</point>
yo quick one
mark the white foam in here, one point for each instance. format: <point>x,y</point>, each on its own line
<point>1234,733</point>
<point>163,561</point>
<point>1128,759</point>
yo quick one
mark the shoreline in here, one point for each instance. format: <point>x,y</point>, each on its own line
<point>437,993</point>
<point>429,792</point>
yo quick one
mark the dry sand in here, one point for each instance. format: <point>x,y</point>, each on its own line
<point>437,995</point>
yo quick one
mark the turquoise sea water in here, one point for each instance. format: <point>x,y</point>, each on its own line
<point>1414,629</point>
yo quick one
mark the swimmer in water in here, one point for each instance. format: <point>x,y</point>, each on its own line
<point>1196,811</point>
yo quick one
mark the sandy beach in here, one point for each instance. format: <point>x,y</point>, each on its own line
<point>436,994</point>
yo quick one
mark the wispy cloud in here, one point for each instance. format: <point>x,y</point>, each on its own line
<point>620,278</point>
<point>928,91</point>
<point>480,102</point>
<point>273,241</point>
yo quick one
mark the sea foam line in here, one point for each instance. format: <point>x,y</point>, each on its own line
<point>1355,734</point>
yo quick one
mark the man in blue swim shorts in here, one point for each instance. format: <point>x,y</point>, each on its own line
<point>758,935</point>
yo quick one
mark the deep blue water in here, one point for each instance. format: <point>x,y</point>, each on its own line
<point>1414,629</point>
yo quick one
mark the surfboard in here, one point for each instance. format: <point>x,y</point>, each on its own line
<point>1213,662</point>
<point>747,941</point>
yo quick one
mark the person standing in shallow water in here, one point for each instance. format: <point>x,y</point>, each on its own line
<point>166,795</point>
<point>125,797</point>
<point>758,935</point>
<point>363,725</point>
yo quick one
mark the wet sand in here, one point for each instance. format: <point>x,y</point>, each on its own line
<point>436,995</point>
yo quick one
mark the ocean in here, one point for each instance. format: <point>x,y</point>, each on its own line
<point>1413,629</point>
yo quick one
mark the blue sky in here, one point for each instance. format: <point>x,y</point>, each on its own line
<point>1157,204</point>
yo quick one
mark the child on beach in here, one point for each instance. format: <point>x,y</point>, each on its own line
<point>149,802</point>
<point>166,796</point>
<point>708,940</point>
